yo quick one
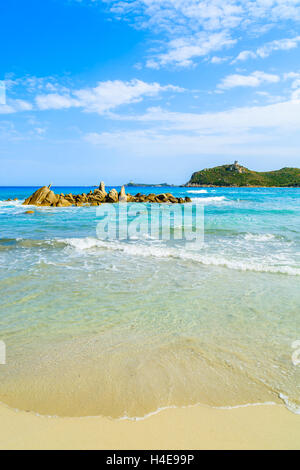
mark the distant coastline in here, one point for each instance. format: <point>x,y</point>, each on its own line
<point>234,175</point>
<point>149,185</point>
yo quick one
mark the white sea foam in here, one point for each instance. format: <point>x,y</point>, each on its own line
<point>174,407</point>
<point>259,237</point>
<point>247,405</point>
<point>11,203</point>
<point>84,243</point>
<point>290,406</point>
<point>153,250</point>
<point>209,200</point>
<point>147,415</point>
<point>199,191</point>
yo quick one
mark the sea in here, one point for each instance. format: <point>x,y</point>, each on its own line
<point>93,324</point>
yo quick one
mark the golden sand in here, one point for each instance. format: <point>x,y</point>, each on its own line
<point>199,427</point>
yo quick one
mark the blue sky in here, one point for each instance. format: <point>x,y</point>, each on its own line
<point>146,90</point>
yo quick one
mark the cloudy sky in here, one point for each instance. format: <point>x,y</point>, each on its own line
<point>146,90</point>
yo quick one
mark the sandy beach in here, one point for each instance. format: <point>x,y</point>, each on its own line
<point>141,325</point>
<point>199,427</point>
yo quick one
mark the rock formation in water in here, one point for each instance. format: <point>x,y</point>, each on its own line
<point>46,197</point>
<point>122,195</point>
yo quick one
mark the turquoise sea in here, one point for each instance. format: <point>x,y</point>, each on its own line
<point>124,328</point>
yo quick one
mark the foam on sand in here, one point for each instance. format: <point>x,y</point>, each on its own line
<point>258,427</point>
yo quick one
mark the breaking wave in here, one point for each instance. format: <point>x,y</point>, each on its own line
<point>209,200</point>
<point>199,191</point>
<point>259,237</point>
<point>144,250</point>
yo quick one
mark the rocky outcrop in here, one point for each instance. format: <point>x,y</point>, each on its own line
<point>122,195</point>
<point>45,197</point>
<point>51,198</point>
<point>113,196</point>
<point>62,202</point>
<point>102,188</point>
<point>38,197</point>
<point>99,195</point>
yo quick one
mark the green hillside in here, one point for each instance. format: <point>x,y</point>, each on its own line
<point>237,175</point>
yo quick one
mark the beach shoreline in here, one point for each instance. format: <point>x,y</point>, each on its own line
<point>197,427</point>
<point>139,324</point>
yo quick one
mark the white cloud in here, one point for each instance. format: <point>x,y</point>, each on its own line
<point>263,130</point>
<point>267,49</point>
<point>278,45</point>
<point>180,15</point>
<point>295,77</point>
<point>255,79</point>
<point>245,55</point>
<point>296,94</point>
<point>291,75</point>
<point>218,60</point>
<point>281,115</point>
<point>33,84</point>
<point>296,83</point>
<point>209,14</point>
<point>155,143</point>
<point>182,51</point>
<point>270,98</point>
<point>186,24</point>
<point>56,101</point>
<point>105,97</point>
<point>274,10</point>
<point>15,106</point>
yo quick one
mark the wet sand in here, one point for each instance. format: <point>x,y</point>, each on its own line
<point>199,427</point>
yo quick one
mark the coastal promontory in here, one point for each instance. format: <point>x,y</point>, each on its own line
<point>237,175</point>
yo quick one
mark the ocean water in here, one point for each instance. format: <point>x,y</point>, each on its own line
<point>126,327</point>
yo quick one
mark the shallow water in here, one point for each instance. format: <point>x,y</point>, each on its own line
<point>122,328</point>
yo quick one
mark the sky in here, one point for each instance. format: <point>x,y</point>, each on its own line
<point>146,90</point>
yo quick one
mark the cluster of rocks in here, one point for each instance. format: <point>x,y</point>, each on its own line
<point>45,197</point>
